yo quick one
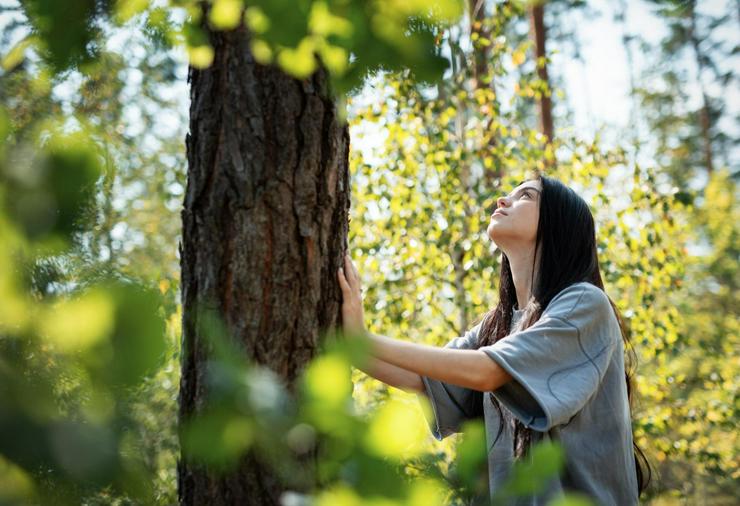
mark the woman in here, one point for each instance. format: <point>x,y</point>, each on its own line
<point>546,363</point>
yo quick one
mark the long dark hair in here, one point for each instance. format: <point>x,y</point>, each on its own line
<point>565,250</point>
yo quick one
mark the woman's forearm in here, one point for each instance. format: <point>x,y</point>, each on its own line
<point>393,375</point>
<point>466,368</point>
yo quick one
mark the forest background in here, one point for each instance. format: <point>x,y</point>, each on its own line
<point>633,104</point>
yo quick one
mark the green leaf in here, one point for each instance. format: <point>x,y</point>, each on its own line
<point>15,56</point>
<point>226,14</point>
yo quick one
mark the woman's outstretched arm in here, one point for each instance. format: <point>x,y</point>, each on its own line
<point>393,375</point>
<point>466,368</point>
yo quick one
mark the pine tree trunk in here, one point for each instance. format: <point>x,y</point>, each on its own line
<point>538,31</point>
<point>265,224</point>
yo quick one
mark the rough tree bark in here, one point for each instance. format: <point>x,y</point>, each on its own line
<point>265,224</point>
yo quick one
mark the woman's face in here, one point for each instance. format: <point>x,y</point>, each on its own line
<point>514,221</point>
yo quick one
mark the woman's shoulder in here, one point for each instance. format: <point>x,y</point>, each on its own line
<point>580,303</point>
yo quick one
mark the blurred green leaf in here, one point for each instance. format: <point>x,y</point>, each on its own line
<point>65,29</point>
<point>15,55</point>
<point>137,344</point>
<point>217,437</point>
<point>226,14</point>
<point>572,499</point>
<point>16,487</point>
<point>531,475</point>
<point>472,460</point>
<point>49,199</point>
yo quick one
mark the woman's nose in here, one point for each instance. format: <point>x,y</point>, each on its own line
<point>501,202</point>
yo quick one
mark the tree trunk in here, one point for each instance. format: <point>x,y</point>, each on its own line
<point>621,17</point>
<point>265,223</point>
<point>481,53</point>
<point>705,122</point>
<point>481,74</point>
<point>538,31</point>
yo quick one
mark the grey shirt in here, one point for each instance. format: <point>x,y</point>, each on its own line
<point>568,385</point>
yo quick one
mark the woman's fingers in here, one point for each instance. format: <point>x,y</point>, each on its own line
<point>349,271</point>
<point>352,317</point>
<point>344,285</point>
<point>349,276</point>
<point>346,273</point>
<point>355,271</point>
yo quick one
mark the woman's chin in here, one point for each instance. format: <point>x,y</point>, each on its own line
<point>491,231</point>
<point>491,235</point>
<point>496,234</point>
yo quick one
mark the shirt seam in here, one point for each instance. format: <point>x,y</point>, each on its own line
<point>580,296</point>
<point>545,410</point>
<point>590,360</point>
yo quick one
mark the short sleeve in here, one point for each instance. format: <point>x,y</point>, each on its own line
<point>557,363</point>
<point>452,404</point>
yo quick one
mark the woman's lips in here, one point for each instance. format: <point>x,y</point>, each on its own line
<point>498,212</point>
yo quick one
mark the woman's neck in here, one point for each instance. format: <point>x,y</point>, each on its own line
<point>521,273</point>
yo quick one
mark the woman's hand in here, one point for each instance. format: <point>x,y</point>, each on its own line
<point>353,320</point>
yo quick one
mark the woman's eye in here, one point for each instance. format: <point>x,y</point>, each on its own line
<point>526,194</point>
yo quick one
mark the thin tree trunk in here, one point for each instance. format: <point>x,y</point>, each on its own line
<point>481,53</point>
<point>539,36</point>
<point>621,17</point>
<point>481,74</point>
<point>265,224</point>
<point>704,114</point>
<point>108,211</point>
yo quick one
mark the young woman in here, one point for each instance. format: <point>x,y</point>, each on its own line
<point>546,363</point>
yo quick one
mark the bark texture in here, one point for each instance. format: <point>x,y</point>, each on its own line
<point>265,223</point>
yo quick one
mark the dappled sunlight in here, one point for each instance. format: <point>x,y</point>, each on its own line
<point>396,430</point>
<point>78,324</point>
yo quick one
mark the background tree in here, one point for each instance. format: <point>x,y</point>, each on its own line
<point>682,102</point>
<point>691,56</point>
<point>539,37</point>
